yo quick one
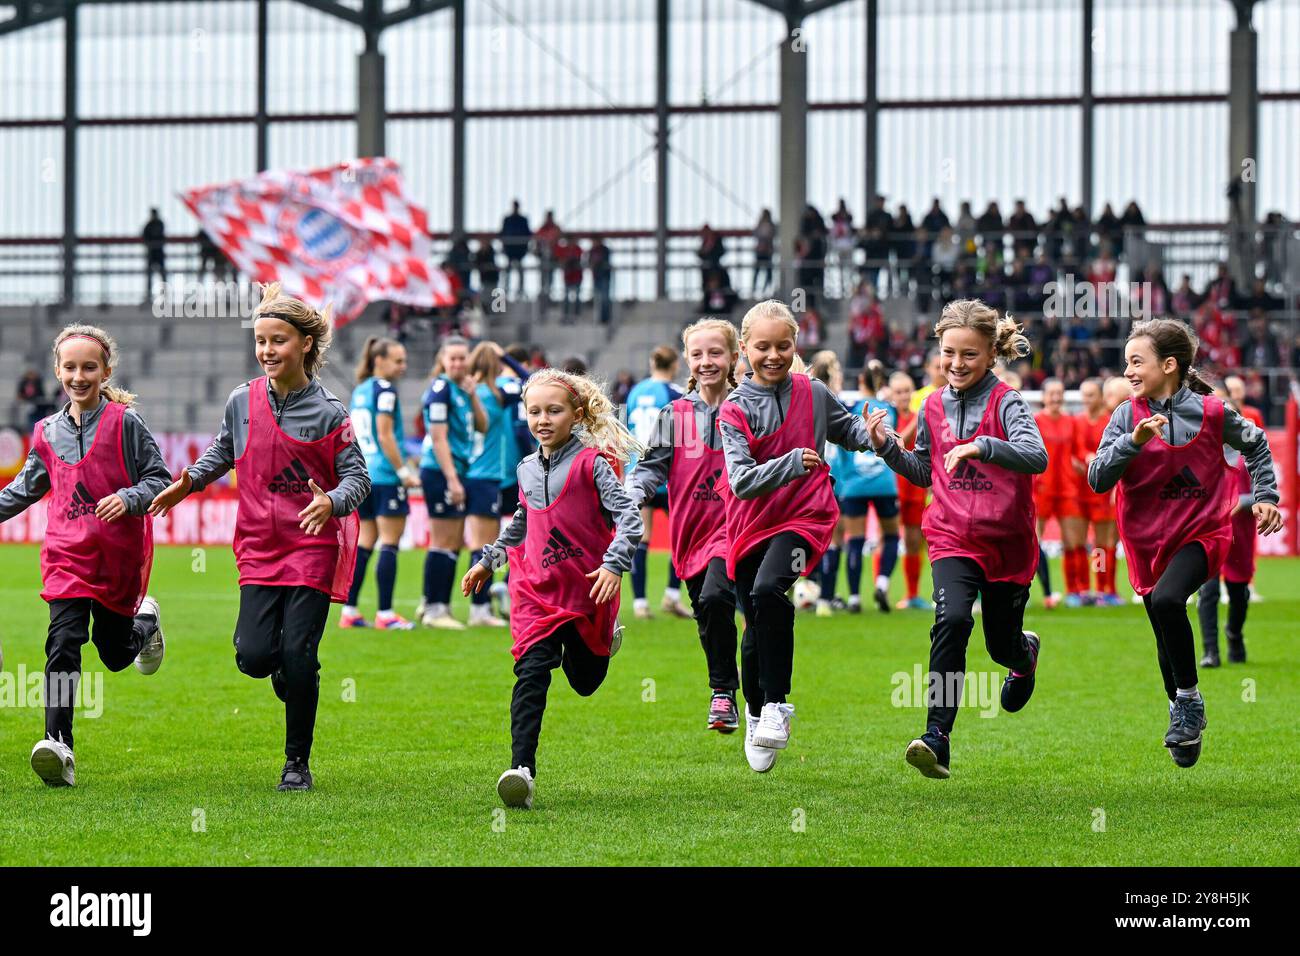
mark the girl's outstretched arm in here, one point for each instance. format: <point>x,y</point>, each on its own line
<point>912,465</point>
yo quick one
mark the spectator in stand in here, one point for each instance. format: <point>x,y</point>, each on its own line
<point>567,254</point>
<point>867,332</point>
<point>31,392</point>
<point>934,223</point>
<point>945,256</point>
<point>210,254</point>
<point>764,248</point>
<point>903,243</point>
<point>1110,228</point>
<point>810,329</point>
<point>1236,389</point>
<point>574,365</point>
<point>991,229</point>
<point>1133,225</point>
<point>719,298</point>
<point>485,263</point>
<point>1080,237</point>
<point>874,241</point>
<point>1258,298</point>
<point>843,242</point>
<point>1017,285</point>
<point>1150,297</point>
<point>1222,291</point>
<point>812,229</point>
<point>1260,353</point>
<point>1184,300</point>
<point>459,260</point>
<point>1024,230</point>
<point>1273,248</point>
<point>710,254</point>
<point>515,238</point>
<point>623,384</point>
<point>1058,228</point>
<point>544,242</point>
<point>1040,273</point>
<point>1101,275</point>
<point>1217,331</point>
<point>155,237</point>
<point>967,229</point>
<point>602,277</point>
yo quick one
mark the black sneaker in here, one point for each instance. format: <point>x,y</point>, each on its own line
<point>1236,650</point>
<point>1186,721</point>
<point>882,600</point>
<point>1018,688</point>
<point>295,775</point>
<point>929,754</point>
<point>277,684</point>
<point>724,715</point>
<point>1211,657</point>
<point>839,604</point>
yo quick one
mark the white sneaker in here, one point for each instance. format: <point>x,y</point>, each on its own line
<point>824,608</point>
<point>760,759</point>
<point>53,762</point>
<point>150,657</point>
<point>500,592</point>
<point>773,730</point>
<point>442,621</point>
<point>480,615</point>
<point>421,609</point>
<point>515,788</point>
<point>616,641</point>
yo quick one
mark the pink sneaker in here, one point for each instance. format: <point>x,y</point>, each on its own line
<point>393,622</point>
<point>352,620</point>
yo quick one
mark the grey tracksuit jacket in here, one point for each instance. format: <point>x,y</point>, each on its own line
<point>651,472</point>
<point>541,479</point>
<point>765,409</point>
<point>1021,451</point>
<point>1185,410</point>
<point>308,414</point>
<point>70,441</point>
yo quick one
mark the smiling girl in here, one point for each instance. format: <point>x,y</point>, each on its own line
<point>781,511</point>
<point>976,449</point>
<point>1163,449</point>
<point>301,477</point>
<point>101,468</point>
<point>686,453</point>
<point>569,543</point>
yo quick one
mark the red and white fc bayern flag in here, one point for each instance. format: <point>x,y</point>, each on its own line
<point>345,234</point>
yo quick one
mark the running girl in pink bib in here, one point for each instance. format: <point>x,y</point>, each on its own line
<point>977,450</point>
<point>100,467</point>
<point>569,543</point>
<point>1164,450</point>
<point>301,478</point>
<point>781,511</point>
<point>686,453</point>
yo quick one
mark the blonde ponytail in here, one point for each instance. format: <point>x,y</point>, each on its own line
<point>599,426</point>
<point>111,358</point>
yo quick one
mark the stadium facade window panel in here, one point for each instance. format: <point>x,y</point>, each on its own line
<point>1161,46</point>
<point>945,49</point>
<point>836,43</point>
<point>31,182</point>
<point>166,59</point>
<point>1278,173</point>
<point>1171,159</point>
<point>418,63</point>
<point>311,145</point>
<point>724,51</point>
<point>1278,25</point>
<point>31,72</point>
<point>997,153</point>
<point>312,60</point>
<point>722,169</point>
<point>837,153</point>
<point>596,173</point>
<point>559,53</point>
<point>423,149</point>
<point>123,171</point>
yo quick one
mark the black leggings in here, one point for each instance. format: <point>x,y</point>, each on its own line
<point>1167,608</point>
<point>1208,609</point>
<point>564,648</point>
<point>713,600</point>
<point>763,576</point>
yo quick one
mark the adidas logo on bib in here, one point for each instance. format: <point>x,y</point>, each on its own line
<point>1183,485</point>
<point>706,490</point>
<point>292,481</point>
<point>969,478</point>
<point>558,548</point>
<point>82,503</point>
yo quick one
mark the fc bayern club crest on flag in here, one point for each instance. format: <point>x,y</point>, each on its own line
<point>345,234</point>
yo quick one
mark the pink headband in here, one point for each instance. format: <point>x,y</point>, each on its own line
<point>88,338</point>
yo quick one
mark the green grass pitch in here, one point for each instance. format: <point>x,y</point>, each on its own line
<point>181,767</point>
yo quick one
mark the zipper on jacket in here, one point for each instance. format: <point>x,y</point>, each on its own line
<point>546,481</point>
<point>777,393</point>
<point>961,416</point>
